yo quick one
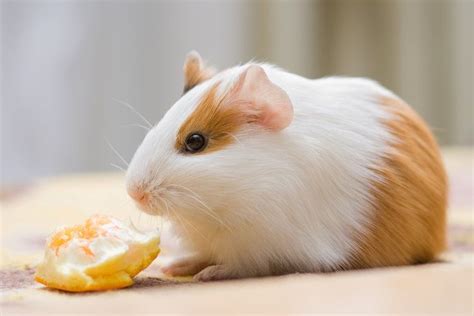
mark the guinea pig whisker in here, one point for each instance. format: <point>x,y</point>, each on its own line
<point>206,209</point>
<point>234,137</point>
<point>185,222</point>
<point>118,167</point>
<point>131,108</point>
<point>132,224</point>
<point>192,193</point>
<point>176,215</point>
<point>166,207</point>
<point>137,125</point>
<point>161,224</point>
<point>116,152</point>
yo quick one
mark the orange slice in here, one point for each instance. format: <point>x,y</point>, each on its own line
<point>100,254</point>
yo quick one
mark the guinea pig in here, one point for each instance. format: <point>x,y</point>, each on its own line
<point>263,172</point>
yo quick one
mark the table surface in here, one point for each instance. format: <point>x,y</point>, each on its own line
<point>30,213</point>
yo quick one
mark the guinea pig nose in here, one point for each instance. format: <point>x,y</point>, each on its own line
<point>138,195</point>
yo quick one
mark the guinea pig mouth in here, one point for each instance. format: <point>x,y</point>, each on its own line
<point>148,201</point>
<point>147,209</point>
<point>151,206</point>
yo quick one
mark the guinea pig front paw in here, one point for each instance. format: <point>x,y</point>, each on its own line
<point>184,266</point>
<point>214,273</point>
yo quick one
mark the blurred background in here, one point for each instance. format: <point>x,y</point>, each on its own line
<point>64,63</point>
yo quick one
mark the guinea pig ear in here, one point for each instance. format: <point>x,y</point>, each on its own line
<point>195,71</point>
<point>261,101</point>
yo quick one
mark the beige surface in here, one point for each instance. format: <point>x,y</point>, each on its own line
<point>432,289</point>
<point>29,215</point>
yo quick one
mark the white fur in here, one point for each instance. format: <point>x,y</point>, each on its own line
<point>272,202</point>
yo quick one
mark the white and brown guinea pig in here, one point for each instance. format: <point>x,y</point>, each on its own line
<point>265,172</point>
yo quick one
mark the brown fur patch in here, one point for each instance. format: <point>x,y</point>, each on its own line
<point>410,204</point>
<point>213,120</point>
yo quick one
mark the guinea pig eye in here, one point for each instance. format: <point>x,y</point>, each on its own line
<point>195,142</point>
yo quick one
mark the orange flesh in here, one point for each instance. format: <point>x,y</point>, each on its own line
<point>88,231</point>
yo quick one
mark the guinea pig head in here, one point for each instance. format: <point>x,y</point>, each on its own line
<point>205,155</point>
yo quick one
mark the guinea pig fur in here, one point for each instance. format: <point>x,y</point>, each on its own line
<point>264,172</point>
